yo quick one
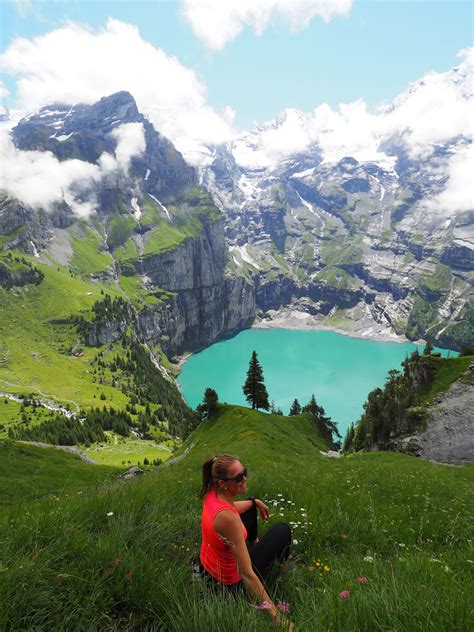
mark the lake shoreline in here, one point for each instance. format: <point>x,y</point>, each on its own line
<point>302,321</point>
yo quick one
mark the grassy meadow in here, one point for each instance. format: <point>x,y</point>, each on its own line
<point>29,473</point>
<point>382,541</point>
<point>126,451</point>
<point>37,340</point>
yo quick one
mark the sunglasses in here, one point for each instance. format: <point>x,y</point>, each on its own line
<point>240,477</point>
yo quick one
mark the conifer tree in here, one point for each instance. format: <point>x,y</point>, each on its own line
<point>324,424</point>
<point>208,406</point>
<point>349,438</point>
<point>295,408</point>
<point>428,348</point>
<point>254,388</point>
<point>210,399</point>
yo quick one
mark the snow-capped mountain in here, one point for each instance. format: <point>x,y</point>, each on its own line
<point>371,213</point>
<point>363,220</point>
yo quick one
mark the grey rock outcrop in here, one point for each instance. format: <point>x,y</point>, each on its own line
<point>449,434</point>
<point>131,473</point>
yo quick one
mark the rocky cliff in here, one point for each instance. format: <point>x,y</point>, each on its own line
<point>149,223</point>
<point>449,434</point>
<point>378,237</point>
<point>424,411</point>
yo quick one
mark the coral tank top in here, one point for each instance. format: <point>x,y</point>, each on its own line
<point>216,556</point>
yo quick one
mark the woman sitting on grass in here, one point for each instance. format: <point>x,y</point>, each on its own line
<point>227,561</point>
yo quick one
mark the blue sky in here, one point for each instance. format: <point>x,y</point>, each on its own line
<point>372,52</point>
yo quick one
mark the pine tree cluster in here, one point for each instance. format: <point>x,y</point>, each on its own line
<point>392,408</point>
<point>84,429</point>
<point>104,311</point>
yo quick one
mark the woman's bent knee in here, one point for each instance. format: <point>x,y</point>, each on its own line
<point>282,532</point>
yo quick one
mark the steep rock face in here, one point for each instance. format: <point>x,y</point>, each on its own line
<point>197,262</point>
<point>305,224</point>
<point>449,434</point>
<point>16,274</point>
<point>152,219</point>
<point>106,333</point>
<point>194,319</point>
<point>206,305</point>
<point>383,219</point>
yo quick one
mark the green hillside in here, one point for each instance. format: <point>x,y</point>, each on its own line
<point>42,354</point>
<point>121,558</point>
<point>29,473</point>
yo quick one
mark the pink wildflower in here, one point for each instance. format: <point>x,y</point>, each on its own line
<point>344,594</point>
<point>362,579</point>
<point>283,606</point>
<point>129,575</point>
<point>117,560</point>
<point>263,606</point>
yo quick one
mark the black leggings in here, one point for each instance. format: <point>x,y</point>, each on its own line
<point>274,545</point>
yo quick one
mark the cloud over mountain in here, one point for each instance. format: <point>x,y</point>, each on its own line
<point>433,110</point>
<point>39,179</point>
<point>76,64</point>
<point>458,194</point>
<point>218,22</point>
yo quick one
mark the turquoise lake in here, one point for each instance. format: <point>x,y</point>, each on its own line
<point>338,369</point>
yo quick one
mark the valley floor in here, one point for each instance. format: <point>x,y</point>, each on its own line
<point>355,324</point>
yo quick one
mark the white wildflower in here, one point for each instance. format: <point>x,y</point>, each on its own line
<point>110,513</point>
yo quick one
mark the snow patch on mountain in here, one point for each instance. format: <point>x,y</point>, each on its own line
<point>137,212</point>
<point>240,254</point>
<point>162,206</point>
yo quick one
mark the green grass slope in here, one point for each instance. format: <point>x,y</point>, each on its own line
<point>36,339</point>
<point>29,473</point>
<point>121,559</point>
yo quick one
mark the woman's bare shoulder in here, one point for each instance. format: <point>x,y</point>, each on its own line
<point>226,518</point>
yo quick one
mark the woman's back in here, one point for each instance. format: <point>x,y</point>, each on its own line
<point>216,556</point>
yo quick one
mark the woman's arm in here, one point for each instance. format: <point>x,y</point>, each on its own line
<point>229,527</point>
<point>244,505</point>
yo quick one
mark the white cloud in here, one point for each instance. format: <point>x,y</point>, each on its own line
<point>350,131</point>
<point>435,112</point>
<point>458,195</point>
<point>39,179</point>
<point>76,64</point>
<point>130,142</point>
<point>217,22</point>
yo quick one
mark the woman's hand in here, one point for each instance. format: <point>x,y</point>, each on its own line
<point>263,509</point>
<point>283,623</point>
